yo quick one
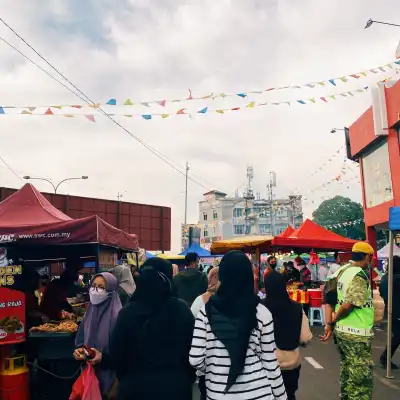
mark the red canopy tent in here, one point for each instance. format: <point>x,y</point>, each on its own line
<point>313,236</point>
<point>27,217</point>
<point>287,232</point>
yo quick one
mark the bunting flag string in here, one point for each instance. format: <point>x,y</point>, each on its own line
<point>331,82</point>
<point>345,224</point>
<point>31,110</point>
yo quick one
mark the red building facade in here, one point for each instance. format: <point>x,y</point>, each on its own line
<point>374,141</point>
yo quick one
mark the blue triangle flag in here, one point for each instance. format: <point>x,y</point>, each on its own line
<point>146,116</point>
<point>203,111</point>
<point>332,81</point>
<point>301,101</point>
<point>112,102</point>
<point>397,62</point>
<point>242,95</point>
<point>2,110</point>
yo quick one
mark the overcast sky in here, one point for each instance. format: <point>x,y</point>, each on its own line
<point>157,49</point>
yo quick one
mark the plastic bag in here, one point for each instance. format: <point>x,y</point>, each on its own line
<point>86,387</point>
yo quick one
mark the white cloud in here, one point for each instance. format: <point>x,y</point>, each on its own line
<point>157,49</point>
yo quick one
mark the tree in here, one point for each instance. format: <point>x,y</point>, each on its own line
<point>339,211</point>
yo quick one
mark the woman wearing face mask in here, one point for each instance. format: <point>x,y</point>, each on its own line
<point>97,326</point>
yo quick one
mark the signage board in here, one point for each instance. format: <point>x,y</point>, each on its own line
<point>12,316</point>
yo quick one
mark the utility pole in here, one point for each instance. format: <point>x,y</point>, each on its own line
<point>270,187</point>
<point>119,196</point>
<point>186,190</point>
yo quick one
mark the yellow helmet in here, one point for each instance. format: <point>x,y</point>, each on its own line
<point>363,247</point>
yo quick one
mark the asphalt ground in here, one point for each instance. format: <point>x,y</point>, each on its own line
<point>320,371</point>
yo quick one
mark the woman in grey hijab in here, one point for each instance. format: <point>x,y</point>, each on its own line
<point>126,284</point>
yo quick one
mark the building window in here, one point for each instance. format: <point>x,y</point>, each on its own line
<point>205,233</point>
<point>237,212</point>
<point>377,176</point>
<point>280,229</point>
<point>215,215</point>
<point>282,212</point>
<point>238,229</point>
<point>205,216</point>
<point>265,229</point>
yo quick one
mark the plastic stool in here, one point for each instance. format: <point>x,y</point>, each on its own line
<point>318,320</point>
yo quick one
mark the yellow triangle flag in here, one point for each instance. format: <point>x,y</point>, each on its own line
<point>208,96</point>
<point>223,95</point>
<point>128,102</point>
<point>343,79</point>
<point>251,104</point>
<point>321,83</point>
<point>389,65</point>
<point>364,73</point>
<point>69,115</point>
<point>97,105</point>
<point>220,111</point>
<point>164,115</point>
<point>59,107</point>
<point>312,100</point>
<point>128,115</point>
<point>25,112</point>
<point>332,97</point>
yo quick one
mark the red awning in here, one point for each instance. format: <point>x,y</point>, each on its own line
<point>27,217</point>
<point>313,236</point>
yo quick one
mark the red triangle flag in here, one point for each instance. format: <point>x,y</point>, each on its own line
<point>90,118</point>
<point>77,106</point>
<point>181,111</point>
<point>162,103</point>
<point>49,112</point>
<point>324,99</point>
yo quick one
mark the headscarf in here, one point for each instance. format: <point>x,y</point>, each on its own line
<point>125,279</point>
<point>232,311</point>
<point>97,326</point>
<point>154,285</point>
<point>287,314</point>
<point>213,283</point>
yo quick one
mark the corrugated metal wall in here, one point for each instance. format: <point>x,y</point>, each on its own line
<point>152,224</point>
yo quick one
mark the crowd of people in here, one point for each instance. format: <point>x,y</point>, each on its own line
<point>179,327</point>
<point>158,331</point>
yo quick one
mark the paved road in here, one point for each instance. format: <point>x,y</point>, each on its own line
<point>320,372</point>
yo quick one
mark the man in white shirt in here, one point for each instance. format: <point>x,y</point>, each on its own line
<point>334,266</point>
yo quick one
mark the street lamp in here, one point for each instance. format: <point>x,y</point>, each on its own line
<point>334,130</point>
<point>371,21</point>
<point>55,187</point>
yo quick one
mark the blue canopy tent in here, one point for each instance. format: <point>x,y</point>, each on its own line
<point>394,227</point>
<point>195,248</point>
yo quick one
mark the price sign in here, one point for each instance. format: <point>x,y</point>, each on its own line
<point>12,316</point>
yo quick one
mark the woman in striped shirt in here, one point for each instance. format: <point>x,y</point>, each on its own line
<point>233,341</point>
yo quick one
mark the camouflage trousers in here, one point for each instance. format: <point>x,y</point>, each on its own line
<point>356,365</point>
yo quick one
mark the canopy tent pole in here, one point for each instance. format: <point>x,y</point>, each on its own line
<point>390,309</point>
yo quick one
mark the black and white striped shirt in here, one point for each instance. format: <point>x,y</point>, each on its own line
<point>261,377</point>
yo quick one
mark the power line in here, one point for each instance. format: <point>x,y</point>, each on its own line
<point>90,102</point>
<point>9,167</point>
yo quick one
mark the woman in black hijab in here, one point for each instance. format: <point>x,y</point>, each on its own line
<point>151,341</point>
<point>233,342</point>
<point>291,329</point>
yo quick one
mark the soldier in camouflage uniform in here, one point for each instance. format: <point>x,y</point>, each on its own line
<point>353,325</point>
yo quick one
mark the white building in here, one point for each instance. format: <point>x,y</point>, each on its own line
<point>223,217</point>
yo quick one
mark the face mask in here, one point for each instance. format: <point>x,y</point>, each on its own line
<point>272,265</point>
<point>97,296</point>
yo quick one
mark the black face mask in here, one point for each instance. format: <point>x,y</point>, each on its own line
<point>272,265</point>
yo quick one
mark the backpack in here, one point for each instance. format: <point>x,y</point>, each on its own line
<point>329,292</point>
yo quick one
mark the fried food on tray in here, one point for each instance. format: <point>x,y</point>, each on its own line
<point>63,327</point>
<point>10,324</point>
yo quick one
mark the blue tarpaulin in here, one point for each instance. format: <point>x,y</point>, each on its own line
<point>195,248</point>
<point>394,219</point>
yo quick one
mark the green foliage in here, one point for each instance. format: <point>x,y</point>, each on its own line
<point>339,210</point>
